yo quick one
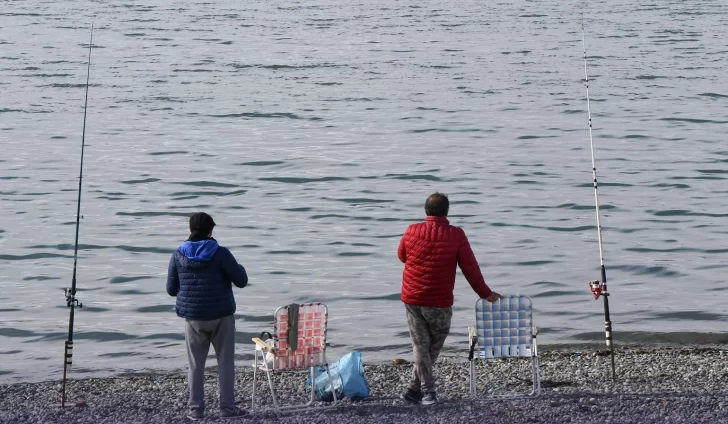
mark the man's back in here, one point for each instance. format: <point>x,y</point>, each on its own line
<point>431,251</point>
<point>200,275</point>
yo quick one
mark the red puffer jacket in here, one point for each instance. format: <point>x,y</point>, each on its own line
<point>431,250</point>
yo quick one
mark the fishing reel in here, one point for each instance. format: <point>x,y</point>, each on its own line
<point>597,288</point>
<point>71,298</point>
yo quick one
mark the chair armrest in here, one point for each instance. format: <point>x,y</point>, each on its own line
<point>473,340</point>
<point>261,344</point>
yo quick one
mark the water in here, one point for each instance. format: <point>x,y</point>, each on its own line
<point>313,132</point>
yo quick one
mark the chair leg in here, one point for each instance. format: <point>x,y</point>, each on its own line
<point>536,377</point>
<point>331,382</point>
<point>270,384</point>
<point>473,380</point>
<point>255,375</point>
<point>313,387</point>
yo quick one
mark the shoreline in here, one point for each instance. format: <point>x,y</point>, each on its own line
<point>718,342</point>
<point>548,349</point>
<point>656,383</point>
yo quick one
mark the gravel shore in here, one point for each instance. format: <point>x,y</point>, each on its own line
<point>655,385</point>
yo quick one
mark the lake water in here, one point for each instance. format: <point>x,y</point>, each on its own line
<point>313,131</point>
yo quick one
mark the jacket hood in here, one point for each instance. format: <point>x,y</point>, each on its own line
<point>199,251</point>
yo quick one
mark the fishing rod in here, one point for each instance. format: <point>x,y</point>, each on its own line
<point>597,287</point>
<point>70,293</point>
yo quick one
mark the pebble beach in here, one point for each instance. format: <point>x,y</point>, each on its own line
<point>654,385</point>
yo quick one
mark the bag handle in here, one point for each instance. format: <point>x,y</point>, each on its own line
<point>265,332</point>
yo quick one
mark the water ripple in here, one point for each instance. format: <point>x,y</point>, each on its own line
<point>302,180</point>
<point>316,143</point>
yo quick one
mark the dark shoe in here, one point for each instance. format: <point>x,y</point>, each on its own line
<point>196,414</point>
<point>430,398</point>
<point>233,412</point>
<point>411,396</point>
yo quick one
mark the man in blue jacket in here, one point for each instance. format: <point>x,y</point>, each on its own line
<point>201,274</point>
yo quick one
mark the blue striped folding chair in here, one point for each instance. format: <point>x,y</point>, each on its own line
<point>504,329</point>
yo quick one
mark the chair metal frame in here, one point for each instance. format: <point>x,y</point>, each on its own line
<point>520,333</point>
<point>310,352</point>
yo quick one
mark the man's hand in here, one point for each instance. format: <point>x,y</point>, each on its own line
<point>493,297</point>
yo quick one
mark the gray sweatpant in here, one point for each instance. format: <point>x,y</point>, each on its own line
<point>199,335</point>
<point>428,328</point>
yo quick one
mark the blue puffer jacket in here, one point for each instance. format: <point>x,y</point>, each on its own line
<point>200,275</point>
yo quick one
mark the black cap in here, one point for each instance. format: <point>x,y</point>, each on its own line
<point>201,224</point>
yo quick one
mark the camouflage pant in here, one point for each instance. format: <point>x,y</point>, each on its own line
<point>428,328</point>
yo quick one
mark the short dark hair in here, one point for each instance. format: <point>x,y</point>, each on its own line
<point>437,205</point>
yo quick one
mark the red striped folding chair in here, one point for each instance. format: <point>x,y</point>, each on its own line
<point>298,342</point>
<point>504,329</point>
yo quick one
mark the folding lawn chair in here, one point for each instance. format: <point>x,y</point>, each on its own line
<point>504,329</point>
<point>298,342</point>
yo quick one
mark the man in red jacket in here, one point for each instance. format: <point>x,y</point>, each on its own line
<point>431,251</point>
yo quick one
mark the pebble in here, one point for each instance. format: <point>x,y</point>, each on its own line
<point>637,396</point>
